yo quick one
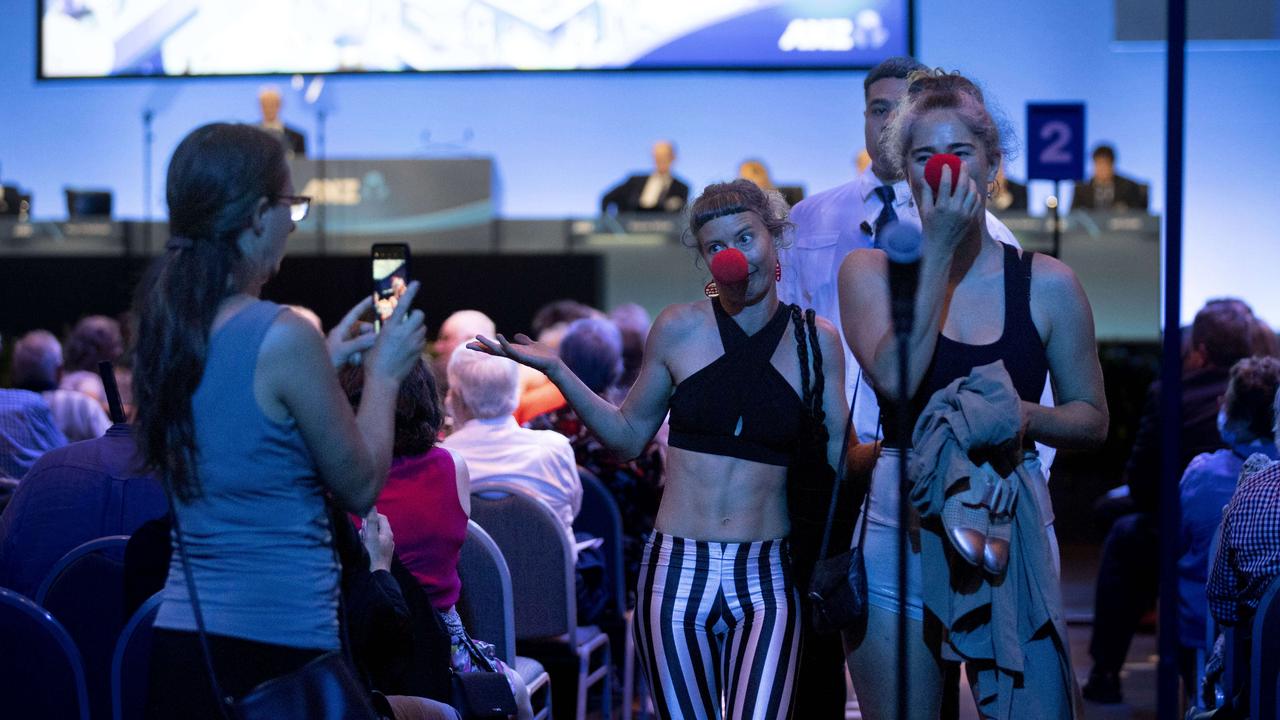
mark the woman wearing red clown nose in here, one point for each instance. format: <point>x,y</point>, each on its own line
<point>989,322</point>
<point>718,616</point>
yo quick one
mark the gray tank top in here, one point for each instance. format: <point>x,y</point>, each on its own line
<point>258,538</point>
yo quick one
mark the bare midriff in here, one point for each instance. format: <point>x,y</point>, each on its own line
<point>722,499</point>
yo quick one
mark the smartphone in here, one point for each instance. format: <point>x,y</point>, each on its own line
<point>390,279</point>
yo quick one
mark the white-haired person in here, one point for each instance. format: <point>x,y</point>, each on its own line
<point>482,396</point>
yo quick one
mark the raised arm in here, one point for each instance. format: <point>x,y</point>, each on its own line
<point>864,289</point>
<point>627,429</point>
<point>1080,419</point>
<point>352,451</point>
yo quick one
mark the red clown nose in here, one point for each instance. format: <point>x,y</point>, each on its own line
<point>933,171</point>
<point>729,267</point>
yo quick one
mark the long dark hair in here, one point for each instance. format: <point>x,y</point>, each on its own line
<point>216,178</point>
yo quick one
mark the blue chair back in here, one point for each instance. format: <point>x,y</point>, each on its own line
<point>538,557</point>
<point>131,663</point>
<point>486,605</point>
<point>599,516</point>
<point>85,592</point>
<point>40,671</point>
<point>1264,666</point>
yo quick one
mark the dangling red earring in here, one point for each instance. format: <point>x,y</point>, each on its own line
<point>777,271</point>
<point>711,290</point>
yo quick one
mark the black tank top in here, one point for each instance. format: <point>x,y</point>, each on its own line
<point>1019,347</point>
<point>740,405</point>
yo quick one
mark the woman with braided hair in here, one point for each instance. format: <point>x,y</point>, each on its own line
<point>717,614</point>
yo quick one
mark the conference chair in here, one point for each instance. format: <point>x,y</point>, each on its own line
<point>131,662</point>
<point>543,583</point>
<point>1264,665</point>
<point>487,611</point>
<point>85,592</point>
<point>600,516</point>
<point>40,671</point>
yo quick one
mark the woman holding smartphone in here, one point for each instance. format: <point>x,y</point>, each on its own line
<point>240,413</point>
<point>717,612</point>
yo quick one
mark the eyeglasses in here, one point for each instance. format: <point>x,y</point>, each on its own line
<point>299,206</point>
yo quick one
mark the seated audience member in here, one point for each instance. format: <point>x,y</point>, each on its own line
<point>37,366</point>
<point>1107,190</point>
<point>592,350</point>
<point>539,395</point>
<point>459,328</point>
<point>427,499</point>
<point>1246,425</point>
<point>94,339</point>
<point>1221,336</point>
<point>633,322</point>
<point>1246,562</point>
<point>72,495</point>
<point>481,398</point>
<point>657,191</point>
<point>27,431</point>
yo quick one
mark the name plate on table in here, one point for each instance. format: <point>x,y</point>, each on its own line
<point>431,204</point>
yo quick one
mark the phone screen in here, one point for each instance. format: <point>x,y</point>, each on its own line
<point>390,278</point>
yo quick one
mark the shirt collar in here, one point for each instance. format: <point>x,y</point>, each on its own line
<point>869,181</point>
<point>499,421</point>
<point>119,430</point>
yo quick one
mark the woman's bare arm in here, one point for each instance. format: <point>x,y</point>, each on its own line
<point>627,429</point>
<point>1081,418</point>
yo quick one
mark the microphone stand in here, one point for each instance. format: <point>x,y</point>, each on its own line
<point>322,200</point>
<point>902,334</point>
<point>148,139</point>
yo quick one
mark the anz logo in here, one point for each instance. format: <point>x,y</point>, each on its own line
<point>863,31</point>
<point>349,191</point>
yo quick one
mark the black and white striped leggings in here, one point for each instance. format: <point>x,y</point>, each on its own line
<point>718,628</point>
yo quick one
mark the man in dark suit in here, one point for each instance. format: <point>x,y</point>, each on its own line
<point>659,191</point>
<point>1106,190</point>
<point>295,143</point>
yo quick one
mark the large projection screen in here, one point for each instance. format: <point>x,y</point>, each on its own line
<point>192,38</point>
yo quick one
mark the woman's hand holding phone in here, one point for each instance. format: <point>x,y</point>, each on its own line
<point>351,336</point>
<point>399,345</point>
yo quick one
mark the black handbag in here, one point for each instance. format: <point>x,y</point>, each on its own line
<point>482,694</point>
<point>837,589</point>
<point>323,689</point>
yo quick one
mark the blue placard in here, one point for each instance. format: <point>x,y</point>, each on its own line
<point>1055,141</point>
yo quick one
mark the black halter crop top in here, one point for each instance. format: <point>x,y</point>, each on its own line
<point>1019,347</point>
<point>740,405</point>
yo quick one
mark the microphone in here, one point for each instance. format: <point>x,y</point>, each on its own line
<point>901,242</point>
<point>729,267</point>
<point>933,171</point>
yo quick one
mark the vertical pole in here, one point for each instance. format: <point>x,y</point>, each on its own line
<point>1168,702</point>
<point>1057,221</point>
<point>322,202</point>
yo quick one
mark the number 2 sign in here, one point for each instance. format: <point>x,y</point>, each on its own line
<point>1055,141</point>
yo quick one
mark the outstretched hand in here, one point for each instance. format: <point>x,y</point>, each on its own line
<point>524,350</point>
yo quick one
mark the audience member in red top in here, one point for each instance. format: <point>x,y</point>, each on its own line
<point>427,499</point>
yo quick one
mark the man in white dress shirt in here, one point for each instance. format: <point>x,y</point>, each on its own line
<point>482,396</point>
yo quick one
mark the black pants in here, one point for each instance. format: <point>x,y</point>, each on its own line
<point>1128,583</point>
<point>180,686</point>
<point>820,686</point>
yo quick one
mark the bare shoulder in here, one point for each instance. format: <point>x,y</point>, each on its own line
<point>1053,279</point>
<point>863,261</point>
<point>291,341</point>
<point>828,335</point>
<point>679,321</point>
